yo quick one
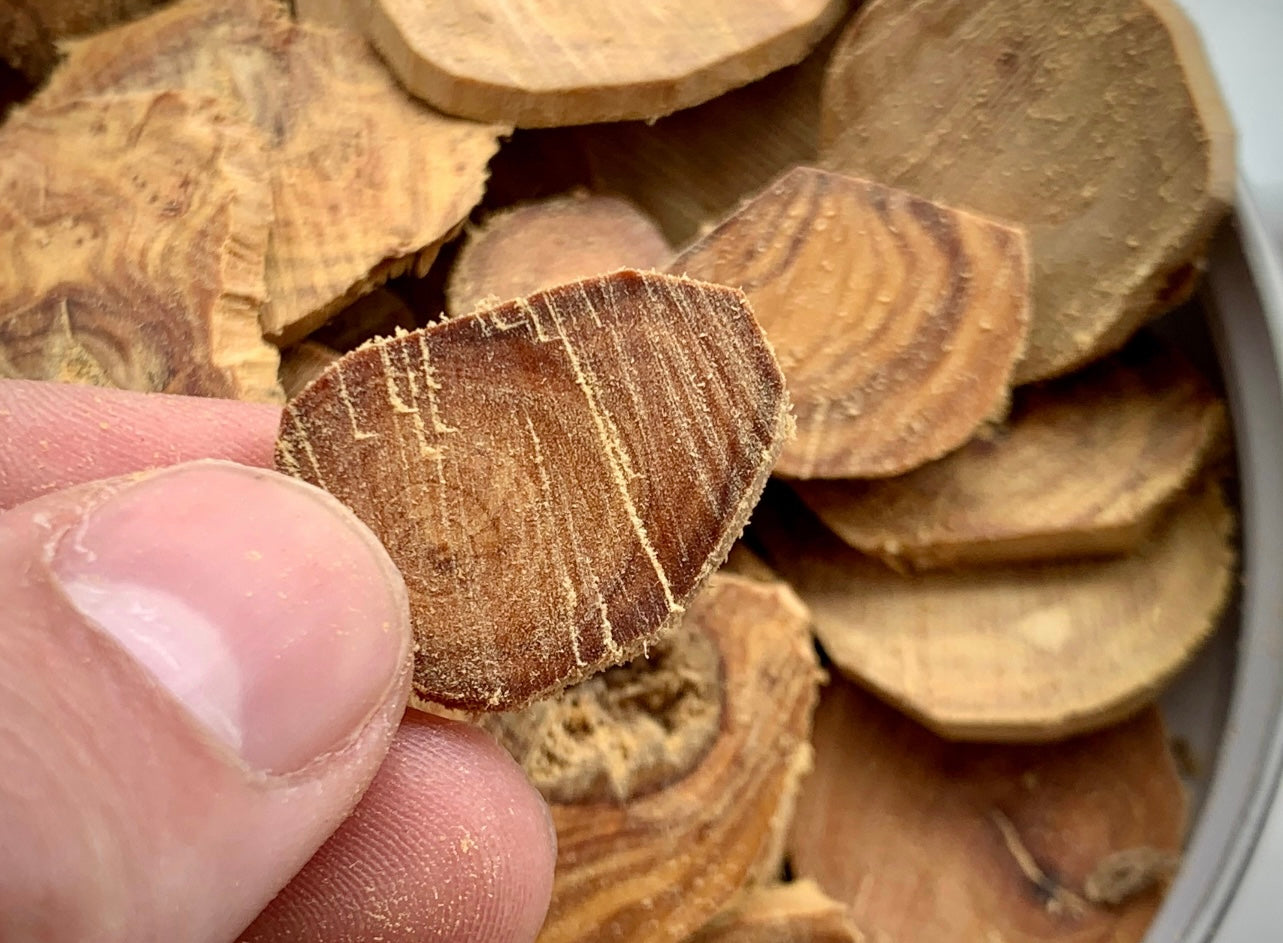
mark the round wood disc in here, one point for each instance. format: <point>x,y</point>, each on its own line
<point>554,477</point>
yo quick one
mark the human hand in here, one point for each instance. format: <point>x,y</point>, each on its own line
<point>200,671</point>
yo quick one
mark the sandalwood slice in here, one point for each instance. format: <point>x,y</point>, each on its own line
<point>1098,129</point>
<point>303,363</point>
<point>928,840</point>
<point>1081,467</point>
<point>683,767</point>
<point>564,62</point>
<point>1028,652</point>
<point>896,320</point>
<point>366,183</point>
<point>555,477</point>
<point>133,234</point>
<point>797,912</point>
<point>538,245</point>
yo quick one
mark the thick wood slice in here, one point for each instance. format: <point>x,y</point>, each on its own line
<point>554,477</point>
<point>366,183</point>
<point>538,245</point>
<point>1030,652</point>
<point>1082,466</point>
<point>30,32</point>
<point>565,62</point>
<point>928,840</point>
<point>1096,126</point>
<point>797,912</point>
<point>133,239</point>
<point>896,320</point>
<point>659,860</point>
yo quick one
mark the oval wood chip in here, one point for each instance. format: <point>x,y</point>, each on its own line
<point>928,840</point>
<point>554,477</point>
<point>1030,652</point>
<point>565,62</point>
<point>1099,129</point>
<point>797,912</point>
<point>350,210</point>
<point>674,855</point>
<point>896,321</point>
<point>1081,467</point>
<point>537,245</point>
<point>133,234</point>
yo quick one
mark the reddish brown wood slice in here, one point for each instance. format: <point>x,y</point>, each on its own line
<point>1083,466</point>
<point>897,321</point>
<point>555,476</point>
<point>928,840</point>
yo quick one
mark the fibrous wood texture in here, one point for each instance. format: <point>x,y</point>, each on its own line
<point>797,912</point>
<point>660,862</point>
<point>537,245</point>
<point>565,62</point>
<point>366,183</point>
<point>1095,125</point>
<point>1017,653</point>
<point>1082,466</point>
<point>896,321</point>
<point>927,840</point>
<point>30,32</point>
<point>554,477</point>
<point>133,234</point>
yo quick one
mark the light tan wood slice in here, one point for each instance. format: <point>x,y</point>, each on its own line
<point>708,740</point>
<point>564,62</point>
<point>1018,653</point>
<point>366,182</point>
<point>928,840</point>
<point>1083,466</point>
<point>1099,129</point>
<point>30,32</point>
<point>133,239</point>
<point>549,242</point>
<point>896,320</point>
<point>303,363</point>
<point>555,477</point>
<point>796,912</point>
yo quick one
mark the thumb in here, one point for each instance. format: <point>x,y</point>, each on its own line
<point>200,671</point>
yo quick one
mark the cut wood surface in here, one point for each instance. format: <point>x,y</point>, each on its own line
<point>928,840</point>
<point>541,244</point>
<point>133,239</point>
<point>1031,652</point>
<point>554,477</point>
<point>797,912</point>
<point>896,321</point>
<point>303,363</point>
<point>31,31</point>
<point>365,181</point>
<point>566,62</point>
<point>1083,466</point>
<point>661,859</point>
<point>1096,126</point>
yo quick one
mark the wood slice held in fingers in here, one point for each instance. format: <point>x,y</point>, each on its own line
<point>133,239</point>
<point>566,62</point>
<point>1083,466</point>
<point>538,245</point>
<point>928,840</point>
<point>896,321</point>
<point>554,477</point>
<point>351,209</point>
<point>1099,128</point>
<point>797,912</point>
<point>1016,653</point>
<point>671,780</point>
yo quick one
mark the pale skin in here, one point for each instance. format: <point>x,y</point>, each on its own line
<point>136,819</point>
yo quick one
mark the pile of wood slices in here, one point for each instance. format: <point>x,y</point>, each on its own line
<point>898,256</point>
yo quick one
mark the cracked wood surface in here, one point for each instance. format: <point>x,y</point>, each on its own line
<point>928,840</point>
<point>896,320</point>
<point>133,234</point>
<point>1083,466</point>
<point>543,64</point>
<point>1097,126</point>
<point>366,183</point>
<point>554,476</point>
